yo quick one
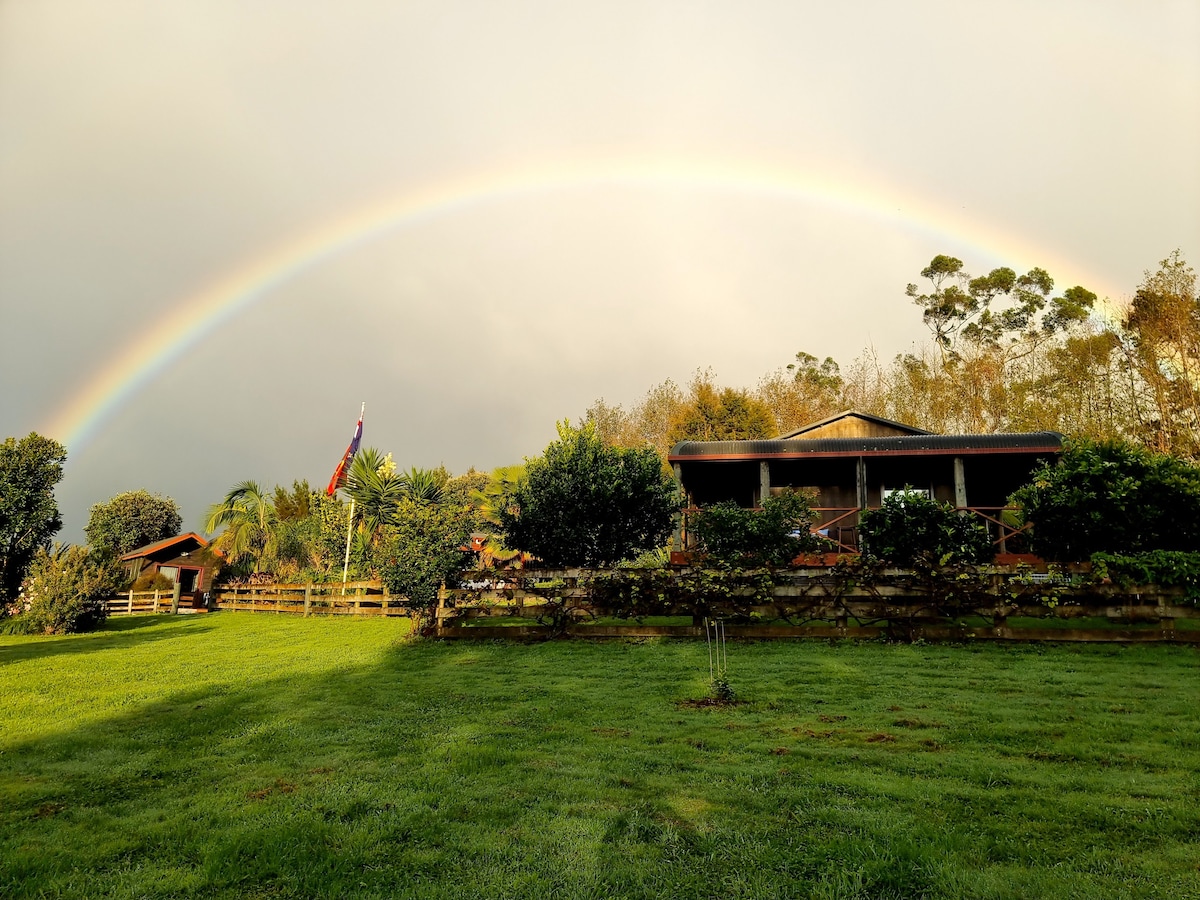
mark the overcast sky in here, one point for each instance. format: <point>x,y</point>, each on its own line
<point>480,217</point>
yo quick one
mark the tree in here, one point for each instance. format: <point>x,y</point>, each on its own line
<point>720,415</point>
<point>375,487</point>
<point>250,523</point>
<point>1111,497</point>
<point>1163,336</point>
<point>497,495</point>
<point>130,520</point>
<point>65,590</point>
<point>585,503</point>
<point>293,505</point>
<point>807,391</point>
<point>959,305</point>
<point>29,470</point>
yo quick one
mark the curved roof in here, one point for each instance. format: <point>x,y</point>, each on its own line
<point>899,445</point>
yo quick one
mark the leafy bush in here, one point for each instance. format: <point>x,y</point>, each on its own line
<point>1111,498</point>
<point>422,550</point>
<point>911,529</point>
<point>1168,568</point>
<point>732,536</point>
<point>586,503</point>
<point>64,592</point>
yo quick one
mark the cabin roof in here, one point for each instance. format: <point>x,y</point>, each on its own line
<point>923,444</point>
<point>157,546</point>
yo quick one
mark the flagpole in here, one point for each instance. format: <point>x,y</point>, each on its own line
<point>349,531</point>
<point>350,524</point>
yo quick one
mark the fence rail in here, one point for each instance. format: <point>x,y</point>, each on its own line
<point>359,598</point>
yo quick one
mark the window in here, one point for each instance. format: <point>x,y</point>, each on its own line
<point>909,491</point>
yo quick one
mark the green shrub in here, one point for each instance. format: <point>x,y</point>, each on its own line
<point>422,550</point>
<point>911,529</point>
<point>64,592</point>
<point>732,536</point>
<point>1167,568</point>
<point>586,503</point>
<point>1111,498</point>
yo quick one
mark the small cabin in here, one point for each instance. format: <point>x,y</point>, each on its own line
<point>852,461</point>
<point>185,559</point>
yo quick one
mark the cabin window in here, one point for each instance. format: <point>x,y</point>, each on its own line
<point>908,491</point>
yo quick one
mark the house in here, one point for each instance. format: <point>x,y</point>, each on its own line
<point>185,559</point>
<point>852,461</point>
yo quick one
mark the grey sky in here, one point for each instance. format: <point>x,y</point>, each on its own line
<point>149,148</point>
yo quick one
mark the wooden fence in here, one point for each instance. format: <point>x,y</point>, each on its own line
<point>1001,603</point>
<point>130,603</point>
<point>360,598</point>
<point>356,598</point>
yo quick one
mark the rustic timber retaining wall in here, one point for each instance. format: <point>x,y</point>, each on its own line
<point>1001,603</point>
<point>828,603</point>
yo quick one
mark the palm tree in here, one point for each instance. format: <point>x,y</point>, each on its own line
<point>497,497</point>
<point>250,522</point>
<point>375,488</point>
<point>425,485</point>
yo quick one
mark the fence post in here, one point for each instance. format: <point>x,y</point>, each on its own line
<point>175,599</point>
<point>441,605</point>
<point>156,593</point>
<point>307,598</point>
<point>1166,624</point>
<point>384,602</point>
<point>131,603</point>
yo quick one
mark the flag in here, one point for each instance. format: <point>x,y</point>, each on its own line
<point>343,467</point>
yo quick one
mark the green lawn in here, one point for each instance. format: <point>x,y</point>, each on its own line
<point>244,755</point>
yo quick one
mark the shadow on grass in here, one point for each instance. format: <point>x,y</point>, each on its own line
<point>565,770</point>
<point>123,632</point>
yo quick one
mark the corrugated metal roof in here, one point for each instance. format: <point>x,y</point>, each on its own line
<point>1028,442</point>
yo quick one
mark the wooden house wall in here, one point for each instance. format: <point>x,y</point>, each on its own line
<point>197,558</point>
<point>852,427</point>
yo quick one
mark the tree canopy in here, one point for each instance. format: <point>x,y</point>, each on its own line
<point>588,503</point>
<point>251,525</point>
<point>29,517</point>
<point>130,520</point>
<point>1111,497</point>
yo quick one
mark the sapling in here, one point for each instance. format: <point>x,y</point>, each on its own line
<point>718,661</point>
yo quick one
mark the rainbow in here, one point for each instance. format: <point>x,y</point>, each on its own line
<point>195,317</point>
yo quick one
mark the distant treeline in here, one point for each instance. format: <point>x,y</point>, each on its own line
<point>1005,354</point>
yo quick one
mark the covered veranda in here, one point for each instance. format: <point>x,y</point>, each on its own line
<point>975,473</point>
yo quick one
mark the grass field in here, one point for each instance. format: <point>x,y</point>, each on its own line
<point>243,755</point>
